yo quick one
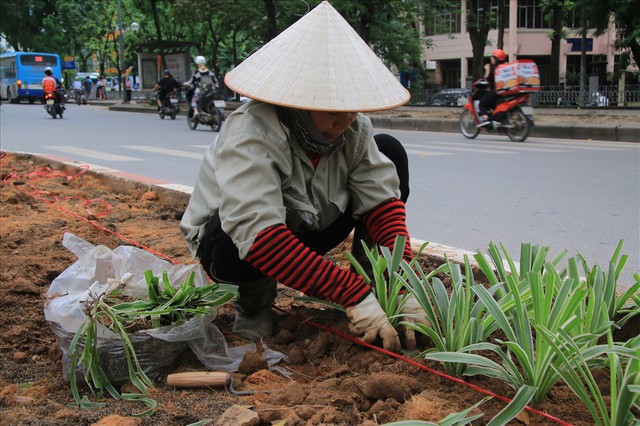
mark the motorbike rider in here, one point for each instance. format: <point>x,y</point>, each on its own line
<point>295,170</point>
<point>77,87</point>
<point>194,82</point>
<point>51,84</point>
<point>165,86</point>
<point>490,98</point>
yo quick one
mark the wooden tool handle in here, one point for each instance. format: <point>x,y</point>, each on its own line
<point>198,379</point>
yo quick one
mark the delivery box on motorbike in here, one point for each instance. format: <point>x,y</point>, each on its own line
<point>516,77</point>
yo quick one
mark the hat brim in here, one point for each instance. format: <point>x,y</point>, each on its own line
<point>319,63</point>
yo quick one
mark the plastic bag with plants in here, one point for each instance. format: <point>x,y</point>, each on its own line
<point>126,315</point>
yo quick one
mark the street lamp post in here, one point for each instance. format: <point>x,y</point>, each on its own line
<point>134,27</point>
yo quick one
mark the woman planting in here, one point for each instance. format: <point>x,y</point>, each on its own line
<point>295,170</point>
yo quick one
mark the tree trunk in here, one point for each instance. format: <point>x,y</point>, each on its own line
<point>478,27</point>
<point>366,20</point>
<point>557,26</point>
<point>156,22</point>
<point>501,23</point>
<point>272,28</point>
<point>583,57</point>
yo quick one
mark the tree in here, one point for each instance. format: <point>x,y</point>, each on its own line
<point>626,17</point>
<point>480,20</point>
<point>555,13</point>
<point>22,23</point>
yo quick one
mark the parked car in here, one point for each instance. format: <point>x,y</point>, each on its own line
<point>450,97</point>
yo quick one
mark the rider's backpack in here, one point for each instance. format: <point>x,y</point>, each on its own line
<point>206,83</point>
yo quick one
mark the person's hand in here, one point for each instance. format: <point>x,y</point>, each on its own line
<point>369,320</point>
<point>411,312</point>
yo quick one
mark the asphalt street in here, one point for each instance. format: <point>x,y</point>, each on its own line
<point>578,195</point>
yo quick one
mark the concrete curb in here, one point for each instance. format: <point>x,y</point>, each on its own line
<point>621,133</point>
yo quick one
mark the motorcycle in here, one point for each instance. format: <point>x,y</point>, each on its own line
<point>210,108</point>
<point>79,96</point>
<point>53,105</point>
<point>512,116</point>
<point>169,106</point>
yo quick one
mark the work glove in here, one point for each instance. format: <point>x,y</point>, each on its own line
<point>411,312</point>
<point>369,320</point>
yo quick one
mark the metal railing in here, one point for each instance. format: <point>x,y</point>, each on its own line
<point>564,96</point>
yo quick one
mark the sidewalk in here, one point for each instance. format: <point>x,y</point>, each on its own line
<point>622,125</point>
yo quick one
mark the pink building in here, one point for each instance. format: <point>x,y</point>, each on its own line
<point>449,55</point>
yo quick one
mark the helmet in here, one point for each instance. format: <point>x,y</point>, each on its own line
<point>200,60</point>
<point>166,72</point>
<point>499,54</point>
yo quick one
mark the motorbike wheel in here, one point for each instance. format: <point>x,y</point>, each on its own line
<point>519,126</point>
<point>217,122</point>
<point>192,122</point>
<point>173,115</point>
<point>78,99</point>
<point>161,114</point>
<point>467,124</point>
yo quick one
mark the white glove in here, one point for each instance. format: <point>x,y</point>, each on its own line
<point>411,312</point>
<point>368,319</point>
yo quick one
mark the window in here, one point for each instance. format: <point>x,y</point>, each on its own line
<point>443,21</point>
<point>39,60</point>
<point>530,14</point>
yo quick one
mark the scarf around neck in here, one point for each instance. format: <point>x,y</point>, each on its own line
<point>307,134</point>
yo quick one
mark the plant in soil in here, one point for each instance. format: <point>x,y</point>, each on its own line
<point>545,328</point>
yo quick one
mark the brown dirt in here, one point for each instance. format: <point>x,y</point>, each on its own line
<point>334,381</point>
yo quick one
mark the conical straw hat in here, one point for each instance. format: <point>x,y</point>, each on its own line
<point>318,63</point>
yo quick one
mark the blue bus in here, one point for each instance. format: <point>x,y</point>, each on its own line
<point>21,74</point>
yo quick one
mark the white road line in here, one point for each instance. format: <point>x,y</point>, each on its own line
<point>165,151</point>
<point>516,147</point>
<point>99,155</point>
<point>422,153</point>
<point>453,148</point>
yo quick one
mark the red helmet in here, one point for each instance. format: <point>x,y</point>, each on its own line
<point>499,54</point>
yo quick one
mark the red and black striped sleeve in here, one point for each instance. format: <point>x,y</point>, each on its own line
<point>385,222</point>
<point>278,253</point>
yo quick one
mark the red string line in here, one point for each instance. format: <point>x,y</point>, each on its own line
<point>417,364</point>
<point>46,172</point>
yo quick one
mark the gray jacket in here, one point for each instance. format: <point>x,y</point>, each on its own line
<point>257,175</point>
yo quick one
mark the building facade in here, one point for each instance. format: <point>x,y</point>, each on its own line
<point>448,56</point>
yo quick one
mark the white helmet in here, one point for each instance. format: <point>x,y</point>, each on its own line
<point>200,60</point>
<point>48,69</point>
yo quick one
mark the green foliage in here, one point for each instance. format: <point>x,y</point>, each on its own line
<point>386,283</point>
<point>455,320</point>
<point>165,305</point>
<point>553,319</point>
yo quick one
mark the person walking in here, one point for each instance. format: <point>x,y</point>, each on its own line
<point>127,86</point>
<point>87,83</point>
<point>295,170</point>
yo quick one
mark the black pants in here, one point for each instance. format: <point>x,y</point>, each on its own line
<point>219,256</point>
<point>488,102</point>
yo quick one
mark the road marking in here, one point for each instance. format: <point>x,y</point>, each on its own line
<point>165,151</point>
<point>422,153</point>
<point>515,146</point>
<point>99,155</point>
<point>453,148</point>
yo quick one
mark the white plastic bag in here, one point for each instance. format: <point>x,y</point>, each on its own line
<point>97,270</point>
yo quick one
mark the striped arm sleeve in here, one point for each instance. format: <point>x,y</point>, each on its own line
<point>385,222</point>
<point>278,253</point>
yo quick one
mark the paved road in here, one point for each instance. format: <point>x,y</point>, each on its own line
<point>567,194</point>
